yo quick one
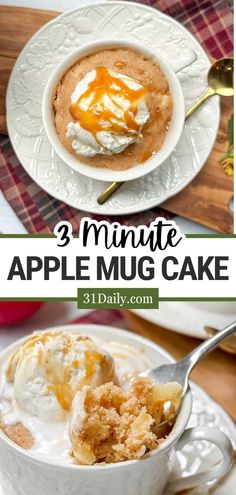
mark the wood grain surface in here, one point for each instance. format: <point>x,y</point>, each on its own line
<point>17,26</point>
<point>216,373</point>
<point>205,200</point>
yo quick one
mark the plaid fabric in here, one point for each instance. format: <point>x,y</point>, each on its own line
<point>211,21</point>
<point>107,317</point>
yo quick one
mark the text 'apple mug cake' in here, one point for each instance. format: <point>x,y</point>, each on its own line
<point>67,398</point>
<point>113,108</point>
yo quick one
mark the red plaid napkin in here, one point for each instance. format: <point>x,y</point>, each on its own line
<point>211,21</point>
<point>109,317</point>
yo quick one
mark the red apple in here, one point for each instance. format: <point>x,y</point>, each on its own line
<point>12,312</point>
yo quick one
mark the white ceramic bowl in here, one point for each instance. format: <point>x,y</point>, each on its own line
<point>172,136</point>
<point>24,474</point>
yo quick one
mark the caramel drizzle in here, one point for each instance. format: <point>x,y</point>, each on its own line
<point>97,118</point>
<point>59,380</point>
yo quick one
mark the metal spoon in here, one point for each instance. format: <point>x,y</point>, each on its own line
<point>179,371</point>
<point>220,81</point>
<point>229,345</point>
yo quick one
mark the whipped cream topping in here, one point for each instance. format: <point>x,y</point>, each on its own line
<point>109,110</point>
<point>51,438</point>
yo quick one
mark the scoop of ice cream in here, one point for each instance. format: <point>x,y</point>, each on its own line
<point>109,110</point>
<point>50,368</point>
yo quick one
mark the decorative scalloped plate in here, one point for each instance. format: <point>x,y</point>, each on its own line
<point>48,47</point>
<point>197,456</point>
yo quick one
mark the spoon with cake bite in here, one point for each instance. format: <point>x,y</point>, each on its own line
<point>220,82</point>
<point>179,372</point>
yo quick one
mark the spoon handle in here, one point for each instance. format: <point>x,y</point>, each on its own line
<point>210,92</point>
<point>208,345</point>
<point>108,192</point>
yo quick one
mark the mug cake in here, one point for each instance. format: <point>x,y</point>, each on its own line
<point>112,109</point>
<point>69,398</point>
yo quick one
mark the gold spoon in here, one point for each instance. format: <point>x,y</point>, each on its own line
<point>220,82</point>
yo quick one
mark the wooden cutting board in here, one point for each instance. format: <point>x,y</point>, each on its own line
<point>206,200</point>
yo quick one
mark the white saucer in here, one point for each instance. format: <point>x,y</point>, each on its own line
<point>190,318</point>
<point>46,49</point>
<point>208,413</point>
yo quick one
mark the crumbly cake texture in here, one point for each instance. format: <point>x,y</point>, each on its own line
<point>18,434</point>
<point>159,102</point>
<point>116,425</point>
<point>106,423</point>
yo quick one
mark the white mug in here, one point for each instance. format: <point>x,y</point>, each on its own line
<point>175,128</point>
<point>22,473</point>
